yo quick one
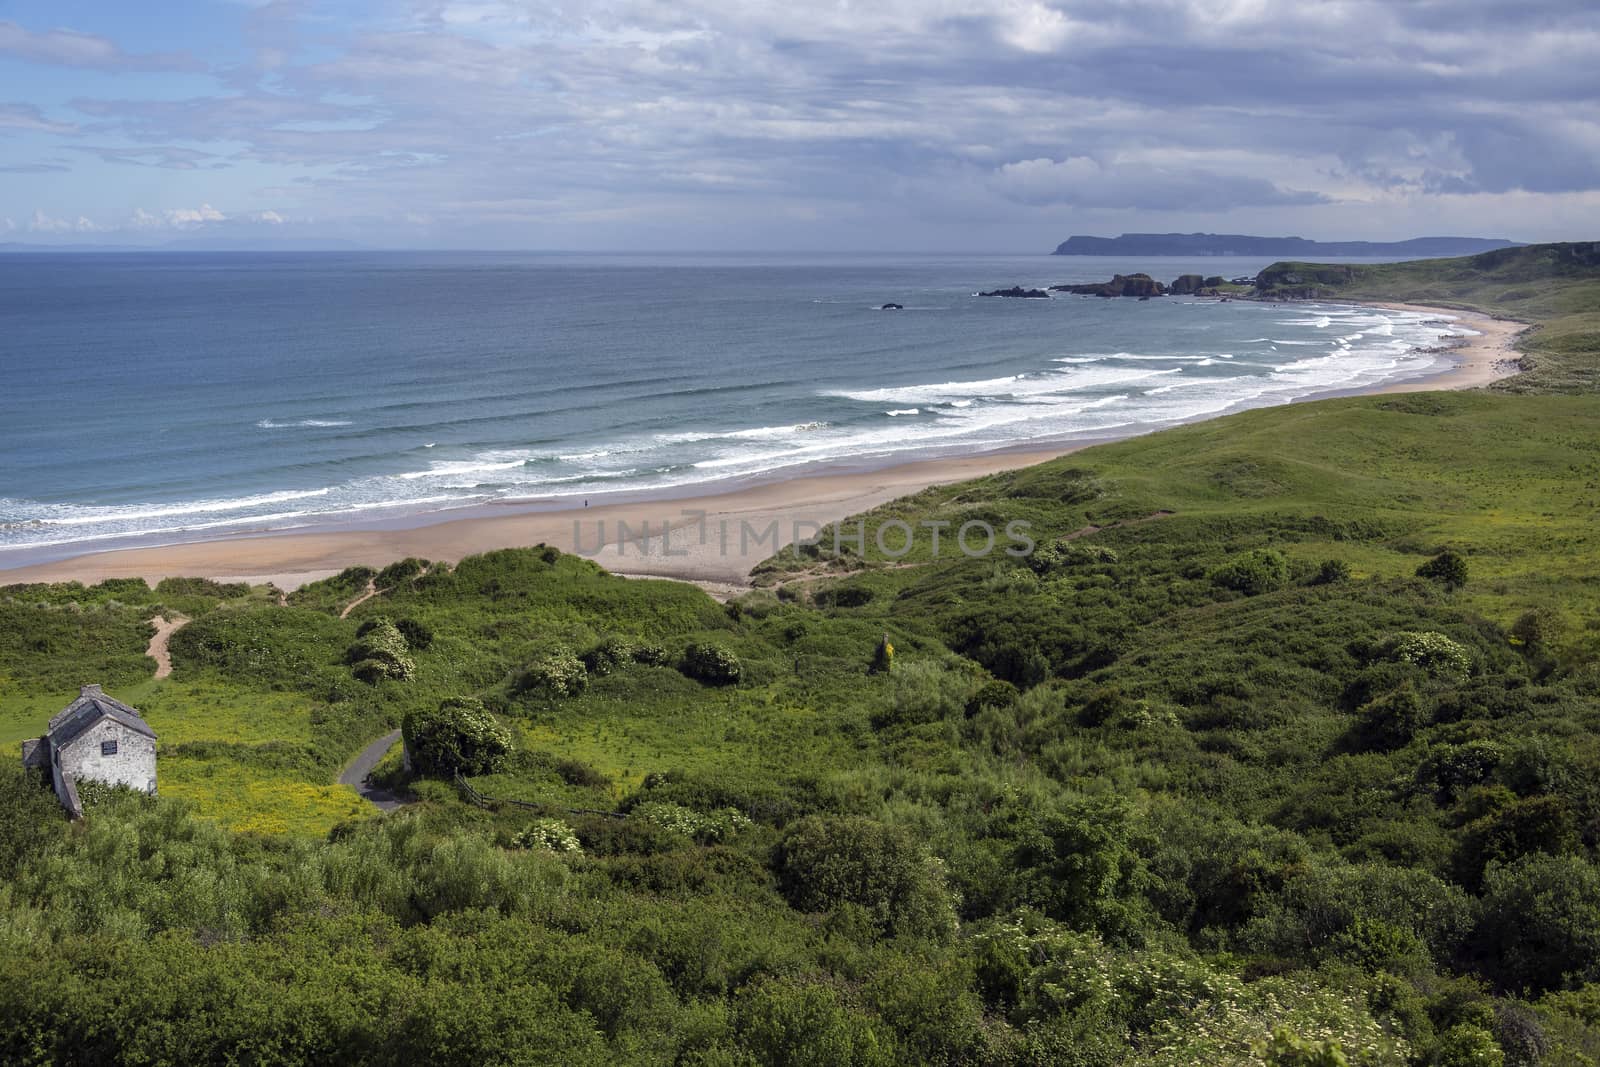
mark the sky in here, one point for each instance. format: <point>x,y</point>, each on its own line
<point>807,125</point>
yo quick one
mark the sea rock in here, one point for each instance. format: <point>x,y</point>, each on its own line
<point>892,307</point>
<point>1196,285</point>
<point>1018,291</point>
<point>1119,285</point>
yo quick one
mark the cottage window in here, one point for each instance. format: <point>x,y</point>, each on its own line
<point>108,748</point>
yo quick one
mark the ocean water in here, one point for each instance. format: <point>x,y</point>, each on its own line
<point>161,396</point>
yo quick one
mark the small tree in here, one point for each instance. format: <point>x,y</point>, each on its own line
<point>1261,570</point>
<point>380,651</point>
<point>558,673</point>
<point>1332,572</point>
<point>712,664</point>
<point>1448,568</point>
<point>461,737</point>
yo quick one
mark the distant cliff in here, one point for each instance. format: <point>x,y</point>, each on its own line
<point>1233,244</point>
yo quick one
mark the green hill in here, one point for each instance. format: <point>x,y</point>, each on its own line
<point>1556,286</point>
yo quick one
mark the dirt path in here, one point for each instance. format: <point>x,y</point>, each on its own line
<point>372,591</point>
<point>357,771</point>
<point>157,651</point>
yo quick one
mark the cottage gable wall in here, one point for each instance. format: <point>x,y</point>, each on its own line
<point>133,764</point>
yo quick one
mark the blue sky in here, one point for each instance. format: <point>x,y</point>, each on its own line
<point>982,125</point>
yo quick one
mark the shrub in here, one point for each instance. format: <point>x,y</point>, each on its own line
<point>461,737</point>
<point>578,773</point>
<point>1332,572</point>
<point>203,587</point>
<point>558,674</point>
<point>826,863</point>
<point>1061,554</point>
<point>1433,652</point>
<point>711,664</point>
<point>400,571</point>
<point>1390,720</point>
<point>380,651</point>
<point>1535,630</point>
<point>995,693</point>
<point>1449,769</point>
<point>1537,824</point>
<point>707,828</point>
<point>924,691</point>
<point>611,654</point>
<point>418,636</point>
<point>787,1022</point>
<point>551,835</point>
<point>1448,568</point>
<point>1541,923</point>
<point>648,655</point>
<point>1261,570</point>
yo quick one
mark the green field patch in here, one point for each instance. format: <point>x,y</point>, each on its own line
<point>249,800</point>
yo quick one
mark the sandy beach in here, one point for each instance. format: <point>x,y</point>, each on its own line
<point>714,538</point>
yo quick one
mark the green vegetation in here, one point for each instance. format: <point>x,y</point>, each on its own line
<point>1554,286</point>
<point>1282,747</point>
<point>460,738</point>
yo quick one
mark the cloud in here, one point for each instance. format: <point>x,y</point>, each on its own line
<point>167,156</point>
<point>526,118</point>
<point>175,218</point>
<point>14,116</point>
<point>69,48</point>
<point>1084,182</point>
<point>42,223</point>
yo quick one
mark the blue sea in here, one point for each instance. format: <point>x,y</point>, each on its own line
<point>158,397</point>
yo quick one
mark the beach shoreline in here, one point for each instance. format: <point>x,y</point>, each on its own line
<point>713,537</point>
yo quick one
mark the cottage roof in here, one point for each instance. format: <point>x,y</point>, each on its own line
<point>91,706</point>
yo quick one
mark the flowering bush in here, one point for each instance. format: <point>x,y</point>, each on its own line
<point>379,652</point>
<point>611,654</point>
<point>551,835</point>
<point>710,827</point>
<point>711,664</point>
<point>557,673</point>
<point>1433,652</point>
<point>461,737</point>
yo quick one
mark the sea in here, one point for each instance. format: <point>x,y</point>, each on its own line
<point>161,397</point>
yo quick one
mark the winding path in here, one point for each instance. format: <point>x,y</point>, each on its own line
<point>357,771</point>
<point>157,651</point>
<point>371,591</point>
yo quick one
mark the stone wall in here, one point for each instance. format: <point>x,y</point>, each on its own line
<point>133,764</point>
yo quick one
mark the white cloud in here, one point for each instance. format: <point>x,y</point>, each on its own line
<point>179,218</point>
<point>184,218</point>
<point>42,223</point>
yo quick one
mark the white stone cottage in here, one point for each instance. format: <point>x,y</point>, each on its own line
<point>96,739</point>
